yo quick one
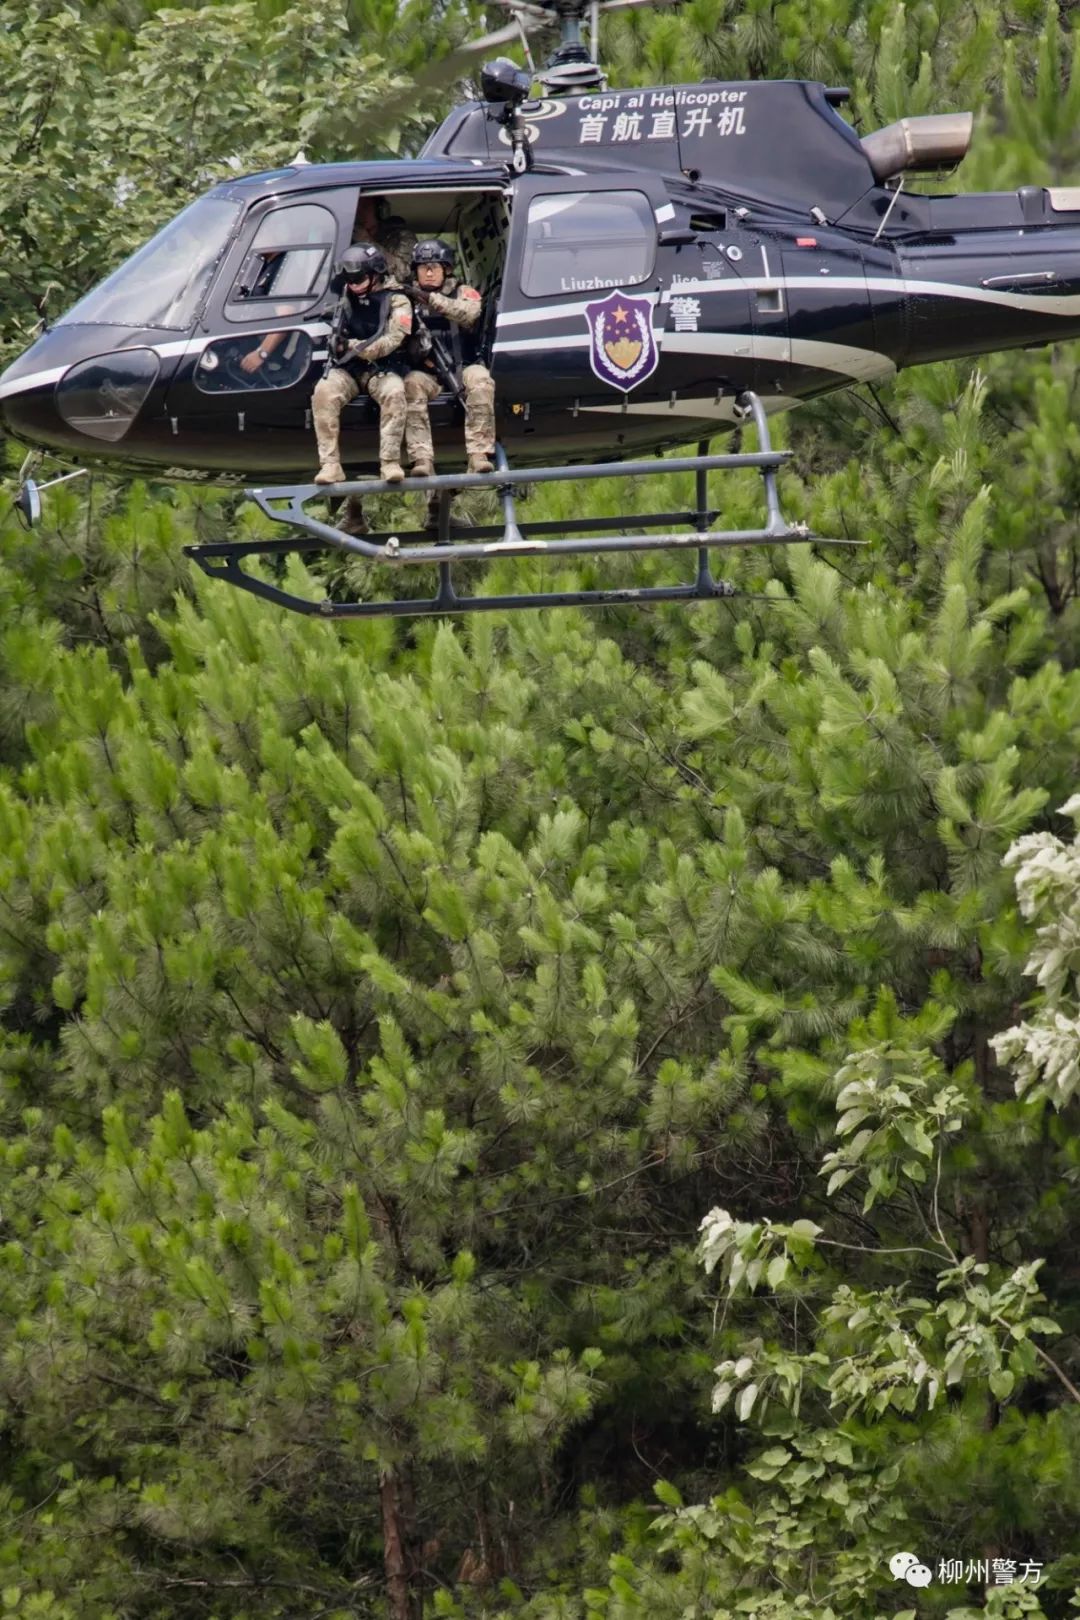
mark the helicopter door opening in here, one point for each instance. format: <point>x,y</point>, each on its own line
<point>472,220</point>
<point>576,243</point>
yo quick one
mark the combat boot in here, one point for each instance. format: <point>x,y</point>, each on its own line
<point>480,464</point>
<point>391,472</point>
<point>431,519</point>
<point>352,520</point>
<point>423,469</point>
<point>327,441</point>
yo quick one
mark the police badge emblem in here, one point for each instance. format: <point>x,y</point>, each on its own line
<point>622,348</point>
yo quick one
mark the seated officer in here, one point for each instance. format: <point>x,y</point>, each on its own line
<point>451,312</point>
<point>375,223</point>
<point>378,319</point>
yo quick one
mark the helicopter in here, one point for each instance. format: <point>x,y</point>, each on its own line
<point>657,266</point>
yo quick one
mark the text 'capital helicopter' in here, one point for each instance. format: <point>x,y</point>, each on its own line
<point>656,265</point>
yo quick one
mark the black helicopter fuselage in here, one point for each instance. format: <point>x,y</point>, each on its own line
<point>667,249</point>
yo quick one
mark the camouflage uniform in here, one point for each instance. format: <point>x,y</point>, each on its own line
<point>397,242</point>
<point>463,307</point>
<point>385,386</point>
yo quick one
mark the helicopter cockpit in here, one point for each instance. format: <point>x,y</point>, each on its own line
<point>164,283</point>
<point>229,305</point>
<point>286,273</point>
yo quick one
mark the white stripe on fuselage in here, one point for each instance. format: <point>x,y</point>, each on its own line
<point>901,286</point>
<point>1044,303</point>
<point>564,312</point>
<point>36,379</point>
<point>528,345</point>
<point>898,286</point>
<point>905,286</point>
<point>164,351</point>
<point>861,365</point>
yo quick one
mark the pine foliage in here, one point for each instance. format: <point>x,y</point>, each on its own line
<point>551,1116</point>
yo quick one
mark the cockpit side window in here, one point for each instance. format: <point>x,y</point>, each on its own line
<point>287,266</point>
<point>164,283</point>
<point>582,240</point>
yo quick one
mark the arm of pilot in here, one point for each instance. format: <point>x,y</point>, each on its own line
<point>464,309</point>
<point>263,350</point>
<point>398,327</point>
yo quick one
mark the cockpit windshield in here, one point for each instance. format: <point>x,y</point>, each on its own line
<point>164,283</point>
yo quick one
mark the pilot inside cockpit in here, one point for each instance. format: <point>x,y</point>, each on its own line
<point>284,273</point>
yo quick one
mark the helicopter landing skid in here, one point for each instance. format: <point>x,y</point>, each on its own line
<point>287,504</point>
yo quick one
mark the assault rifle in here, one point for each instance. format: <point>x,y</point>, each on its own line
<point>425,345</point>
<point>337,343</point>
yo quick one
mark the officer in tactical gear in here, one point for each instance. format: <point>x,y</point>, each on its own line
<point>451,312</point>
<point>374,223</point>
<point>375,322</point>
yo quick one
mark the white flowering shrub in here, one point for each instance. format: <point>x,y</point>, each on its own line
<point>1044,1051</point>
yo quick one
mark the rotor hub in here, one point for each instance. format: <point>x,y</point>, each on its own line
<point>571,71</point>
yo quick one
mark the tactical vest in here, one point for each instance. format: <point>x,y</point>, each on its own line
<point>461,345</point>
<point>366,319</point>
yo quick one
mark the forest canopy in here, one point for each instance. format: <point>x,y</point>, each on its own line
<point>546,1117</point>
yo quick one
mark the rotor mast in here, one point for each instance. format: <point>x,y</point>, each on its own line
<point>570,69</point>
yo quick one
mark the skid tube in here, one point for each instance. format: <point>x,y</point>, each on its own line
<point>222,560</point>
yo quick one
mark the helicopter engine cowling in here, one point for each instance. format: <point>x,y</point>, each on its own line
<point>934,142</point>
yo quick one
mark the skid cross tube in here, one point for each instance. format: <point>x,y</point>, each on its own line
<point>512,543</point>
<point>287,504</point>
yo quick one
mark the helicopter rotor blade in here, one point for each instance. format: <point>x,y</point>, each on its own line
<point>523,31</point>
<point>625,5</point>
<point>462,55</point>
<point>527,18</point>
<point>455,64</point>
<point>540,16</point>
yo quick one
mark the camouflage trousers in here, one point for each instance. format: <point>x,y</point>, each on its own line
<point>339,389</point>
<point>479,390</point>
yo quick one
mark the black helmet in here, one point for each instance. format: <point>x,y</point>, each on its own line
<point>361,261</point>
<point>432,251</point>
